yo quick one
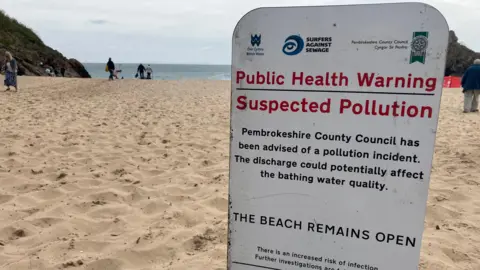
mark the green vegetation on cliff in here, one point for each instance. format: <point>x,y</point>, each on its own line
<point>13,32</point>
<point>29,50</point>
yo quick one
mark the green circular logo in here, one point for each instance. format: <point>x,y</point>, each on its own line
<point>419,44</point>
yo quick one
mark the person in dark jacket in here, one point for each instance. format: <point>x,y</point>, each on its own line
<point>471,87</point>
<point>111,68</point>
<point>141,71</point>
<point>62,71</point>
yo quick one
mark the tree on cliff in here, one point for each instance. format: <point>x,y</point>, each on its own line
<point>30,51</point>
<point>459,56</point>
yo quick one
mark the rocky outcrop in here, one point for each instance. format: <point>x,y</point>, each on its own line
<point>32,55</point>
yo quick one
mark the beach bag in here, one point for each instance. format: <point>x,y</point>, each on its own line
<point>106,68</point>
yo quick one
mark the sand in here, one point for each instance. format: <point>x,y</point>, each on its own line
<point>133,175</point>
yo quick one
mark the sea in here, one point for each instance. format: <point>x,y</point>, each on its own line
<point>165,71</point>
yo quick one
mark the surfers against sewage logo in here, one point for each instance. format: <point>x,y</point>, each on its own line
<point>295,44</point>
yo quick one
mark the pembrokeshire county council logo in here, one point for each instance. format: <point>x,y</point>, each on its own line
<point>293,45</point>
<point>255,40</point>
<point>419,47</point>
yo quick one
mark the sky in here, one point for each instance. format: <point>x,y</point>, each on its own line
<point>176,31</point>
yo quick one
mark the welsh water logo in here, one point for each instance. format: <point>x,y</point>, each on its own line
<point>255,49</point>
<point>293,45</point>
<point>255,40</point>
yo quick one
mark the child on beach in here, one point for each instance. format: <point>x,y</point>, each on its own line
<point>117,72</point>
<point>149,72</point>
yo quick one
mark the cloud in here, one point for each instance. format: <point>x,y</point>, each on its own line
<point>98,22</point>
<point>175,29</point>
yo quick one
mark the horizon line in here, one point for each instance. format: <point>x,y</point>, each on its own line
<point>153,63</point>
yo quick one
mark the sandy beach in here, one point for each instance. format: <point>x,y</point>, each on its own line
<point>133,175</point>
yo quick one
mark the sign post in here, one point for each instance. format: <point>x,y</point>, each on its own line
<point>334,115</point>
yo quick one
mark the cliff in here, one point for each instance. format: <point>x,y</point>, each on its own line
<point>32,55</point>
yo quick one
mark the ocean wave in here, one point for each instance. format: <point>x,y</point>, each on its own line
<point>221,77</point>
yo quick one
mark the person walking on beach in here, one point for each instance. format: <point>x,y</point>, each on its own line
<point>11,69</point>
<point>111,69</point>
<point>471,87</point>
<point>141,71</point>
<point>62,71</point>
<point>149,72</point>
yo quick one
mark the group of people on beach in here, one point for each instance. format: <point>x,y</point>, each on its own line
<point>11,71</point>
<point>141,70</point>
<point>53,72</point>
<point>110,67</point>
<point>470,79</point>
